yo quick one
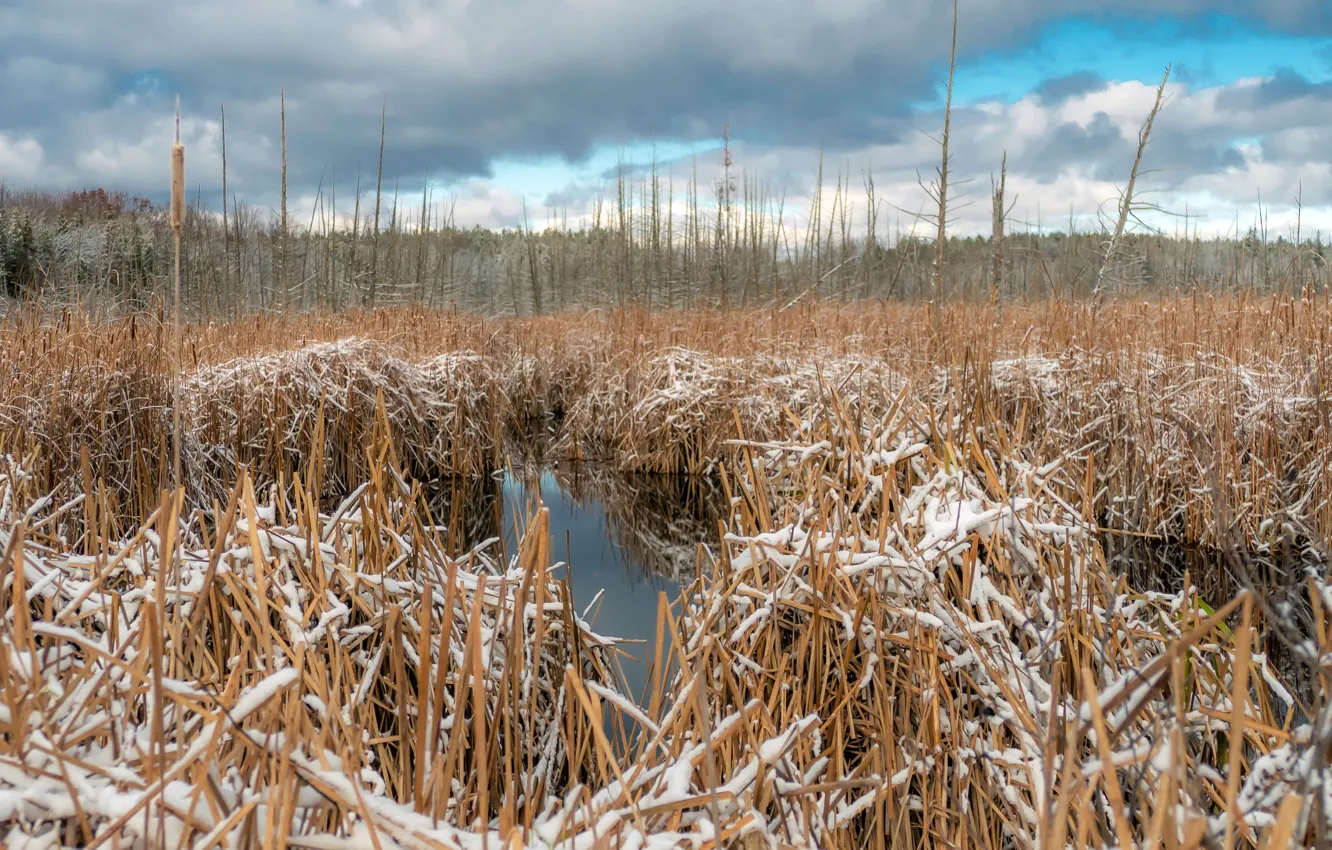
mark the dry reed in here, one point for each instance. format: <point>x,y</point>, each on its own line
<point>311,673</point>
<point>909,638</point>
<point>1160,400</point>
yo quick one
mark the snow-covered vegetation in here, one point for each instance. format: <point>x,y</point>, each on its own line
<point>908,634</point>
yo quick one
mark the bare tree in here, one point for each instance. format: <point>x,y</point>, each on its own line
<point>941,186</point>
<point>999,213</point>
<point>1127,204</point>
<point>282,273</point>
<point>379,190</point>
<point>226,231</point>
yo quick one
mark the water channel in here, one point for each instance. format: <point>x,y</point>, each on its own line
<point>628,538</point>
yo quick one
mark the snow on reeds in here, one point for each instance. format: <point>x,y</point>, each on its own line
<point>1202,449</point>
<point>273,672</point>
<point>1204,420</point>
<point>104,419</point>
<point>674,410</point>
<point>971,666</point>
<point>909,636</point>
<point>311,411</point>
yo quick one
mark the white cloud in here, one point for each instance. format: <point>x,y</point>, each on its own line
<point>472,83</point>
<point>1212,193</point>
<point>21,161</point>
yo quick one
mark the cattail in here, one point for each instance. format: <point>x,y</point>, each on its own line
<point>177,221</point>
<point>177,179</point>
<point>177,185</point>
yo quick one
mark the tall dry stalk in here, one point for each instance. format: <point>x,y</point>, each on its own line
<point>998,213</point>
<point>1126,203</point>
<point>283,282</point>
<point>941,194</point>
<point>177,223</point>
<point>379,193</point>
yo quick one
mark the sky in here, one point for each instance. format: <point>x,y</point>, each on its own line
<point>513,111</point>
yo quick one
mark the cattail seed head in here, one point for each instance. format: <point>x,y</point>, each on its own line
<point>177,185</point>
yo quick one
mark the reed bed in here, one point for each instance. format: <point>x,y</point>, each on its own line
<point>313,410</point>
<point>271,673</point>
<point>1199,422</point>
<point>673,411</point>
<point>1250,435</point>
<point>94,404</point>
<point>909,637</point>
<point>979,676</point>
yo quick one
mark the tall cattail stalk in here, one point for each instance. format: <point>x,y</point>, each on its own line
<point>177,222</point>
<point>170,563</point>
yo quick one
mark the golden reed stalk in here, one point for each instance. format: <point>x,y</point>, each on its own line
<point>177,221</point>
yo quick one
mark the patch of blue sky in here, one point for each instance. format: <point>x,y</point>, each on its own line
<point>145,83</point>
<point>1202,52</point>
<point>537,178</point>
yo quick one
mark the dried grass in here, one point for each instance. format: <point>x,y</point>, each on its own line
<point>909,638</point>
<point>273,671</point>
<point>1169,398</point>
<point>937,604</point>
<point>313,411</point>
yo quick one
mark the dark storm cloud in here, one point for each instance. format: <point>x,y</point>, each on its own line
<point>1283,87</point>
<point>1099,143</point>
<point>1071,85</point>
<point>467,82</point>
<point>574,196</point>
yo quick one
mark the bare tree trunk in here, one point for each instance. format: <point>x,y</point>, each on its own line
<point>379,188</point>
<point>226,230</point>
<point>530,238</point>
<point>942,195</point>
<point>282,272</point>
<point>422,228</point>
<point>1126,200</point>
<point>353,265</point>
<point>997,233</point>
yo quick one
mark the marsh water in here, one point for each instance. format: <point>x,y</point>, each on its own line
<point>624,538</point>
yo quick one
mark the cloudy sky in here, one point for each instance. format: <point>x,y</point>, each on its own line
<point>499,103</point>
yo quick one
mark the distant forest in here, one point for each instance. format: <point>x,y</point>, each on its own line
<point>116,252</point>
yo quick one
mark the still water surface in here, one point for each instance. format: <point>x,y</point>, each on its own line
<point>626,537</point>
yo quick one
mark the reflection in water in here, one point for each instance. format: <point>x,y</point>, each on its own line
<point>626,537</point>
